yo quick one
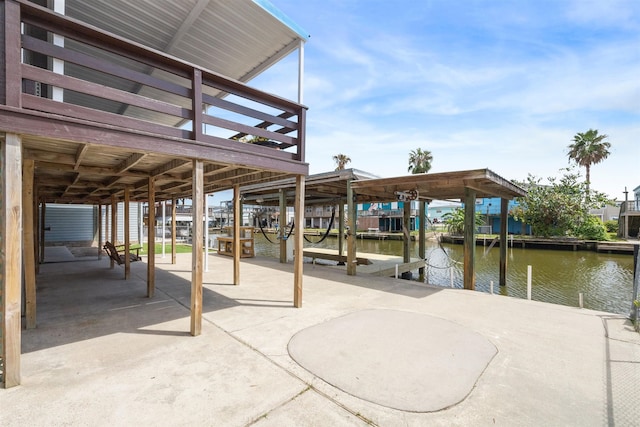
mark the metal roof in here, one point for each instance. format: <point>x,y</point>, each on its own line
<point>236,38</point>
<point>440,186</point>
<point>332,187</point>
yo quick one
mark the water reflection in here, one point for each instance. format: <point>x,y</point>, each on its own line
<point>606,280</point>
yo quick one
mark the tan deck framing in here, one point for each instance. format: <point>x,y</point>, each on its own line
<point>156,149</point>
<point>351,187</point>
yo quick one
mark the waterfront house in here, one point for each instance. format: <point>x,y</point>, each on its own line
<point>125,102</point>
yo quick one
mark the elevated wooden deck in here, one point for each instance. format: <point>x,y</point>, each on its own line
<point>122,113</point>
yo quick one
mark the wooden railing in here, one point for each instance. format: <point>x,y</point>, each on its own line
<point>113,81</point>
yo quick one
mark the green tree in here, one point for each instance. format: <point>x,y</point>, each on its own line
<point>341,161</point>
<point>588,149</point>
<point>560,208</point>
<point>419,161</point>
<point>454,220</point>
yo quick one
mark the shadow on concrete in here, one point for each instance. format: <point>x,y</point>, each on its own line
<point>407,288</point>
<point>79,301</point>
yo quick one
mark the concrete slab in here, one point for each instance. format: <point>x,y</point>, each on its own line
<point>58,254</point>
<point>402,360</point>
<point>104,354</point>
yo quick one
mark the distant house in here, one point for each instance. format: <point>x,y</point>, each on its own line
<point>629,216</point>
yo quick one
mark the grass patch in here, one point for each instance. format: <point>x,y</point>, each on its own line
<point>180,248</point>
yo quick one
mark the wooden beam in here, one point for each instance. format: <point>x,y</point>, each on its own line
<point>237,219</point>
<point>151,239</point>
<point>10,255</point>
<point>196,248</point>
<point>169,166</point>
<point>298,241</point>
<point>80,153</point>
<point>504,242</point>
<point>28,239</point>
<point>127,240</point>
<point>129,162</point>
<point>469,238</point>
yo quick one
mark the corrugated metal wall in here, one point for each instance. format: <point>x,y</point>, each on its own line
<point>78,223</point>
<point>69,223</point>
<point>135,211</point>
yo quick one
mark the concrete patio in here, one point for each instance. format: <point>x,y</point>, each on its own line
<point>103,354</point>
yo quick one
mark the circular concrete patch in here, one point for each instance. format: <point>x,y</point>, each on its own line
<point>401,360</point>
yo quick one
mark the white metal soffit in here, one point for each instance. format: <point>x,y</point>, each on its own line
<point>236,38</point>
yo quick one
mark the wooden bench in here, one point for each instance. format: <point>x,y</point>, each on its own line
<point>113,253</point>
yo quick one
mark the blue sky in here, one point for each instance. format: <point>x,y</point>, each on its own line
<point>503,85</point>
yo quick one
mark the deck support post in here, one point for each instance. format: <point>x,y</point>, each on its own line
<point>43,217</point>
<point>237,220</point>
<point>10,257</point>
<point>422,221</point>
<point>173,231</point>
<point>127,240</point>
<point>151,239</point>
<point>282,236</point>
<point>469,238</point>
<point>100,243</point>
<point>341,230</point>
<point>197,192</point>
<point>298,241</point>
<point>114,226</point>
<point>406,231</point>
<point>351,232</point>
<point>28,250</point>
<point>504,243</point>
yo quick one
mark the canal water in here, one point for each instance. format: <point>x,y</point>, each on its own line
<point>605,280</point>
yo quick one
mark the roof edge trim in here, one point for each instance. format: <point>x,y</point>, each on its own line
<point>280,16</point>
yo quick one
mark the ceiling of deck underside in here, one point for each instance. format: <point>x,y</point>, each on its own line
<point>71,172</point>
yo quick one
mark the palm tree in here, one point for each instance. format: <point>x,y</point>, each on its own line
<point>588,149</point>
<point>341,161</point>
<point>419,161</point>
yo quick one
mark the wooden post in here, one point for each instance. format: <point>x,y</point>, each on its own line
<point>35,220</point>
<point>151,239</point>
<point>10,256</point>
<point>341,230</point>
<point>114,225</point>
<point>28,243</point>
<point>99,231</point>
<point>127,240</point>
<point>173,230</point>
<point>281,230</point>
<point>504,226</point>
<point>43,217</point>
<point>298,241</point>
<point>10,54</point>
<point>422,235</point>
<point>197,191</point>
<point>237,219</point>
<point>406,234</point>
<point>351,232</point>
<point>469,238</point>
